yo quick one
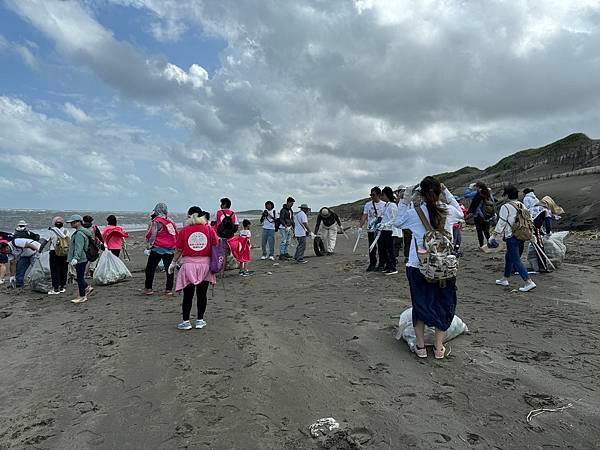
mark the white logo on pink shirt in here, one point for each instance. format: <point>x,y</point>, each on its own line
<point>197,241</point>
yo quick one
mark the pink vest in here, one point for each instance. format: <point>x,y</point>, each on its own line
<point>167,236</point>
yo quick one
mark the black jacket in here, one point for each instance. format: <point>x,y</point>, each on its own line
<point>286,217</point>
<point>327,221</point>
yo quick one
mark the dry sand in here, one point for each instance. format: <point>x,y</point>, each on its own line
<point>285,348</point>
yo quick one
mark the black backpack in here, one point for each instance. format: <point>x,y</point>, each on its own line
<point>92,251</point>
<point>26,234</point>
<point>226,228</point>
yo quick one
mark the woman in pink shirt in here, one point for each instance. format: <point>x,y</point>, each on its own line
<point>113,236</point>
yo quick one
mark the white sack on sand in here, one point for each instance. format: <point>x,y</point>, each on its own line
<point>406,330</point>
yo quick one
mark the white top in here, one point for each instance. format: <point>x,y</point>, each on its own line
<point>53,239</point>
<point>409,219</point>
<point>506,219</point>
<point>373,213</point>
<point>300,218</point>
<point>269,222</point>
<point>530,200</point>
<point>246,233</point>
<point>390,210</point>
<point>18,247</point>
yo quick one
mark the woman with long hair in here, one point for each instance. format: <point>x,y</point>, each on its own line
<point>433,304</point>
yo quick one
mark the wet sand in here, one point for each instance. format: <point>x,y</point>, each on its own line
<point>295,343</point>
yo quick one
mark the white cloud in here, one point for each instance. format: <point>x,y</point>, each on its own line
<point>23,51</point>
<point>76,113</point>
<point>32,166</point>
<point>333,96</point>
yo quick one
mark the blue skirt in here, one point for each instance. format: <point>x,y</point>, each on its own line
<point>431,303</point>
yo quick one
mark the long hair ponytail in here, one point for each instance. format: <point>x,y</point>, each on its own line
<point>431,189</point>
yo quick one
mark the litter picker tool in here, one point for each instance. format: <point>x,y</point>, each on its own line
<point>375,241</point>
<point>357,240</point>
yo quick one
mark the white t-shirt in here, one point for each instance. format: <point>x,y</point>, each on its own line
<point>409,219</point>
<point>389,215</point>
<point>53,239</point>
<point>300,218</point>
<point>269,222</point>
<point>373,213</point>
<point>246,233</point>
<point>18,247</point>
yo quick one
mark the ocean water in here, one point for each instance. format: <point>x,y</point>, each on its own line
<point>40,219</point>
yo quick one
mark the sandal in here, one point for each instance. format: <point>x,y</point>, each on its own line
<point>421,352</point>
<point>169,293</point>
<point>147,292</point>
<point>439,354</point>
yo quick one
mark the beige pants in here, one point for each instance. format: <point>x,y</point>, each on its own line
<point>329,236</point>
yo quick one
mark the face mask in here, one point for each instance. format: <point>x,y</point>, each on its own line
<point>58,225</point>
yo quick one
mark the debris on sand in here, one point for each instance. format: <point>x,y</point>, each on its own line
<point>323,426</point>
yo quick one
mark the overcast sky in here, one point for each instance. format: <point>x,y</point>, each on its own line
<point>119,104</point>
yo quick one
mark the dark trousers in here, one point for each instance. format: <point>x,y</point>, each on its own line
<point>398,244</point>
<point>386,241</point>
<point>457,237</point>
<point>301,248</point>
<point>513,258</point>
<point>377,251</point>
<point>58,270</point>
<point>23,264</point>
<point>151,266</point>
<point>407,236</point>
<point>81,283</point>
<point>188,298</point>
<point>116,252</point>
<point>483,229</point>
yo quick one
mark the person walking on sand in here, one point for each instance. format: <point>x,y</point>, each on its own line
<point>482,209</point>
<point>433,304</point>
<point>113,236</point>
<point>226,222</point>
<point>80,241</point>
<point>514,247</point>
<point>331,222</point>
<point>286,228</point>
<point>268,219</point>
<point>301,230</point>
<point>372,215</point>
<point>59,250</point>
<point>194,247</point>
<point>386,240</point>
<point>161,240</point>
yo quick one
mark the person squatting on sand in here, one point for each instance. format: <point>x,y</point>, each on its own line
<point>386,240</point>
<point>434,304</point>
<point>161,240</point>
<point>330,221</point>
<point>514,247</point>
<point>372,215</point>
<point>194,247</point>
<point>301,230</point>
<point>286,228</point>
<point>58,243</point>
<point>268,220</point>
<point>80,241</point>
<point>113,236</point>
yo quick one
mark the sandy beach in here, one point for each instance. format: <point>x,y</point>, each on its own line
<point>296,343</point>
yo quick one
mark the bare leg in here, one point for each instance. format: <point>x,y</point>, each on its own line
<point>439,339</point>
<point>420,333</point>
<point>2,271</point>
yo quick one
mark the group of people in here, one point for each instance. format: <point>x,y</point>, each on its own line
<point>407,219</point>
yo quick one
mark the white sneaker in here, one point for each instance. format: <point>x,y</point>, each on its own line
<point>272,258</point>
<point>263,257</point>
<point>2,281</point>
<point>200,323</point>
<point>79,300</point>
<point>502,282</point>
<point>53,292</point>
<point>62,291</point>
<point>528,286</point>
<point>185,325</point>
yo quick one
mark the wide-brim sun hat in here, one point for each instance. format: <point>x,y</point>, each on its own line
<point>304,206</point>
<point>325,212</point>
<point>75,218</point>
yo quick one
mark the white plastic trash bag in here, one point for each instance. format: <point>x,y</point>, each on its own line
<point>554,248</point>
<point>110,269</point>
<point>406,330</point>
<point>38,275</point>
